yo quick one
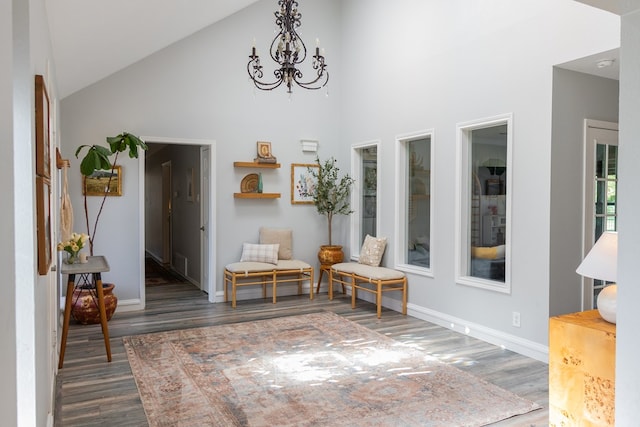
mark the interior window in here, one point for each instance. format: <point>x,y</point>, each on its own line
<point>369,196</point>
<point>413,234</point>
<point>485,200</point>
<point>418,202</point>
<point>364,197</point>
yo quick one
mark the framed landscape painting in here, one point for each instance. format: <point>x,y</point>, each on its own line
<point>103,182</point>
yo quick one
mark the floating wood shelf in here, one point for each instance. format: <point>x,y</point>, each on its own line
<point>256,195</point>
<point>256,165</point>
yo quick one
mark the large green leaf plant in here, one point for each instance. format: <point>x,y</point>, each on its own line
<point>98,157</point>
<point>331,194</point>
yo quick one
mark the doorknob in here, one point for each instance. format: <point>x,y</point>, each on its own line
<point>202,228</point>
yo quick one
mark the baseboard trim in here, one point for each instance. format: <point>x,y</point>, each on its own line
<point>501,339</point>
<point>510,342</point>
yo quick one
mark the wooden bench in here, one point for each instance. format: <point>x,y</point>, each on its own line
<point>240,274</point>
<point>277,270</point>
<point>375,280</point>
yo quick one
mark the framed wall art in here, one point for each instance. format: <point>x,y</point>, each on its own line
<point>103,182</point>
<point>303,183</point>
<point>190,197</point>
<point>43,224</point>
<point>43,147</point>
<point>264,149</point>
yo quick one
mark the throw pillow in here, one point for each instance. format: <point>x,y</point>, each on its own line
<point>281,236</point>
<point>252,252</point>
<point>492,252</point>
<point>372,250</point>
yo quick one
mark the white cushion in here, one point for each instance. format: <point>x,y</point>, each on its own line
<point>252,252</point>
<point>291,264</point>
<point>372,250</point>
<point>249,267</point>
<point>363,270</point>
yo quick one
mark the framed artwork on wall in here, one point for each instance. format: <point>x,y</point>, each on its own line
<point>303,183</point>
<point>43,224</point>
<point>190,185</point>
<point>43,147</point>
<point>103,181</point>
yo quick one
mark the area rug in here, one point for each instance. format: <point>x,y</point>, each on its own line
<point>309,370</point>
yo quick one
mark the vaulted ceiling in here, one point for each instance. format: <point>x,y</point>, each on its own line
<point>93,39</point>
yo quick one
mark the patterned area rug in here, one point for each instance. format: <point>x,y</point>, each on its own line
<point>310,370</point>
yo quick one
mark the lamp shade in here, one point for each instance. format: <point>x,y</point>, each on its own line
<point>602,260</point>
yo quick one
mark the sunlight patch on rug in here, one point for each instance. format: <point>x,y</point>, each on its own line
<point>317,369</point>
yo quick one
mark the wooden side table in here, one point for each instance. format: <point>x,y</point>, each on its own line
<point>92,269</point>
<point>582,367</point>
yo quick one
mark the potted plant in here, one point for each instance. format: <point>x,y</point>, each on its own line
<point>331,197</point>
<point>97,158</point>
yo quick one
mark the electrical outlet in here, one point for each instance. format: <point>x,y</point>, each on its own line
<point>515,319</point>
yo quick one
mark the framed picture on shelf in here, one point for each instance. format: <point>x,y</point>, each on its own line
<point>264,150</point>
<point>43,146</point>
<point>103,182</point>
<point>43,224</point>
<point>303,183</point>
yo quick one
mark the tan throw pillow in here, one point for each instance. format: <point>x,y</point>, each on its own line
<point>372,250</point>
<point>259,253</point>
<point>281,236</point>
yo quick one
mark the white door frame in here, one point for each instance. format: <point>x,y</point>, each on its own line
<point>211,197</point>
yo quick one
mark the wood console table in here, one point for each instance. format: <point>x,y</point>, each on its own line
<point>582,367</point>
<point>92,269</point>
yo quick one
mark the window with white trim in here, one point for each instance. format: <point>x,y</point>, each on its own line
<point>484,203</point>
<point>364,197</point>
<point>414,200</point>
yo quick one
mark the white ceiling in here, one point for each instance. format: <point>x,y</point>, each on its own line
<point>93,39</point>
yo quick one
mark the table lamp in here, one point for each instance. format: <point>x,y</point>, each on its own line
<point>602,263</point>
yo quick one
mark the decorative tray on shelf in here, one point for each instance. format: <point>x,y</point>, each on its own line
<point>249,183</point>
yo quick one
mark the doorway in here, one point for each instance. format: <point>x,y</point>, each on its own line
<point>600,194</point>
<point>181,203</point>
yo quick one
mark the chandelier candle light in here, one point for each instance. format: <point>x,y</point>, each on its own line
<point>288,50</point>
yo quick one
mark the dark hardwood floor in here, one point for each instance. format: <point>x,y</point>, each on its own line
<point>90,391</point>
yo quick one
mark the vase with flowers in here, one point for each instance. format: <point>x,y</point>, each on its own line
<point>73,246</point>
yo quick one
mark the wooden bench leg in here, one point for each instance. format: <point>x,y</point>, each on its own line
<point>233,291</point>
<point>354,291</point>
<point>224,281</point>
<point>379,298</point>
<point>404,296</point>
<point>274,285</point>
<point>311,284</point>
<point>330,283</point>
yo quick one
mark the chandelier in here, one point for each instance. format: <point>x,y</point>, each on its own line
<point>288,50</point>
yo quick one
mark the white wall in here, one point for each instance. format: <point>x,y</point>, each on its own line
<point>199,89</point>
<point>576,97</point>
<point>455,61</point>
<point>29,301</point>
<point>628,347</point>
